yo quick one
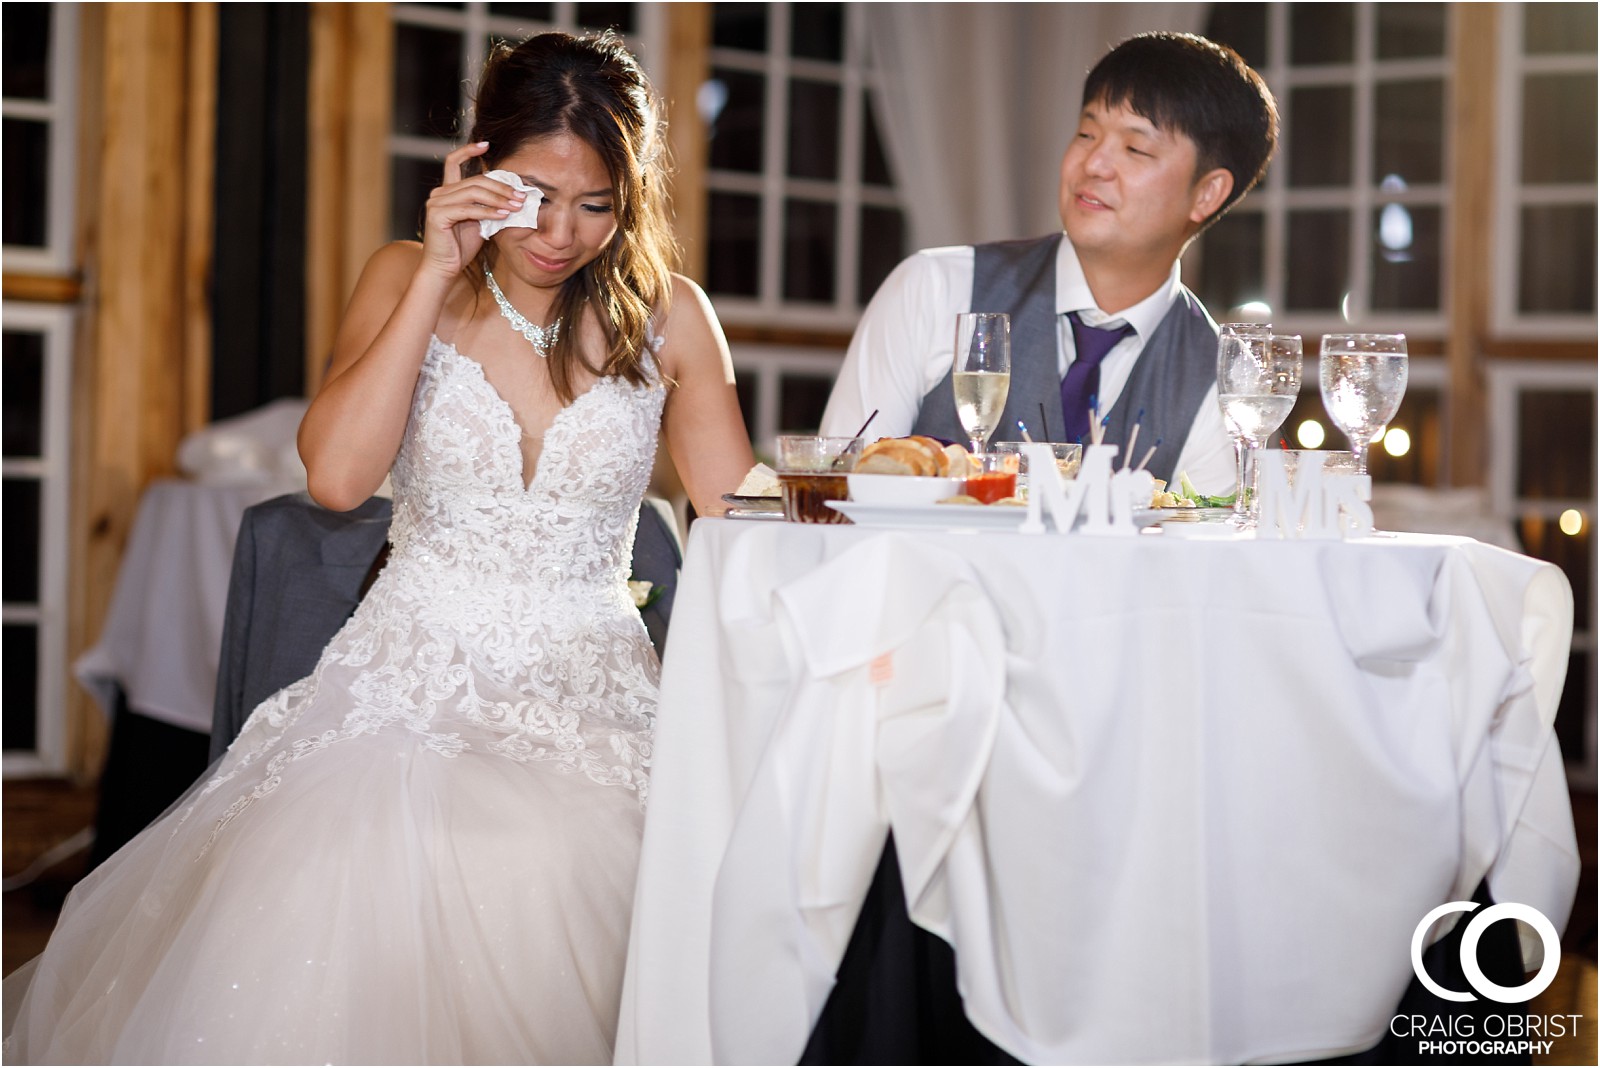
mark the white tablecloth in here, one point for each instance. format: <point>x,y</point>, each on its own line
<point>1170,800</point>
<point>163,632</point>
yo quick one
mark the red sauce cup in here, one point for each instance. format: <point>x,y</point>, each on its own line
<point>992,486</point>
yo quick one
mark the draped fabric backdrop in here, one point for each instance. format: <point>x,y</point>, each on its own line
<point>978,101</point>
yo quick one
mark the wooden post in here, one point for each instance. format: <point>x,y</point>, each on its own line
<point>199,164</point>
<point>1471,265</point>
<point>140,381</point>
<point>347,199</point>
<point>689,45</point>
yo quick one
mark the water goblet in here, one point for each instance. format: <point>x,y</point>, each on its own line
<point>1258,379</point>
<point>981,377</point>
<point>1363,380</point>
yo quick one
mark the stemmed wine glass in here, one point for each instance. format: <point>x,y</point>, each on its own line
<point>981,377</point>
<point>1363,381</point>
<point>1258,379</point>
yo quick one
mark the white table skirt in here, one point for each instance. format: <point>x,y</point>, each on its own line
<point>1170,800</point>
<point>163,632</point>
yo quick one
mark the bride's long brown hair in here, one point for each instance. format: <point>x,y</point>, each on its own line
<point>592,88</point>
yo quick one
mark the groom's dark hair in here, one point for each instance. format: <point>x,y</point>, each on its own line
<point>1201,89</point>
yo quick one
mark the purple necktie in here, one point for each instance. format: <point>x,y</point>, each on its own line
<point>1083,376</point>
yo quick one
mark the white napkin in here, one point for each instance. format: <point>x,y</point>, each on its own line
<point>253,449</point>
<point>525,216</point>
<point>761,481</point>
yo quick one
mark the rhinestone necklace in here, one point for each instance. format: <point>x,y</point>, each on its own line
<point>540,337</point>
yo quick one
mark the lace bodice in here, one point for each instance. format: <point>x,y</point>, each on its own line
<point>461,510</point>
<point>502,620</point>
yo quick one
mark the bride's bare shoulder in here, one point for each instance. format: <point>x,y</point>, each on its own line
<point>690,329</point>
<point>393,264</point>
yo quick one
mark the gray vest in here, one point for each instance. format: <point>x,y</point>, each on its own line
<point>1169,380</point>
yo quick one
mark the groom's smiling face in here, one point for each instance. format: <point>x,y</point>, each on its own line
<point>1129,187</point>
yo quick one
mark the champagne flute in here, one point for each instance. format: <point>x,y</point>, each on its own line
<point>981,377</point>
<point>1241,345</point>
<point>1363,380</point>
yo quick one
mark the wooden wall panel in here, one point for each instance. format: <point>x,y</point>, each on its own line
<point>347,207</point>
<point>146,115</point>
<point>689,46</point>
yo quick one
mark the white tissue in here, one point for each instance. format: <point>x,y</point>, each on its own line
<point>525,216</point>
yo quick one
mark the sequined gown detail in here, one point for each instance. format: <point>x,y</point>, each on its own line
<point>424,851</point>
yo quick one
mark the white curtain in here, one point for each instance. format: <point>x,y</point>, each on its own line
<point>978,101</point>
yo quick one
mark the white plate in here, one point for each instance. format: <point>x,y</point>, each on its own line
<point>958,516</point>
<point>938,516</point>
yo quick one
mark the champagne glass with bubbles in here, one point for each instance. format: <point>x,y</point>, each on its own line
<point>981,377</point>
<point>1363,381</point>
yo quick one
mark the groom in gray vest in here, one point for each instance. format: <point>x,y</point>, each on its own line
<point>1174,130</point>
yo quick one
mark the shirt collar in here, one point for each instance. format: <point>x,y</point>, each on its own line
<point>1072,295</point>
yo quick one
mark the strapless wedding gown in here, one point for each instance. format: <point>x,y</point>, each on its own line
<point>424,852</point>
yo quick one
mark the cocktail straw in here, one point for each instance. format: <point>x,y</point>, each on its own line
<point>838,460</point>
<point>1097,427</point>
<point>1133,436</point>
<point>1044,424</point>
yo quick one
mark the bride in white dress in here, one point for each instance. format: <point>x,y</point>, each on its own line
<point>424,852</point>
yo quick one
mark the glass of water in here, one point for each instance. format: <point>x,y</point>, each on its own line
<point>981,376</point>
<point>1363,381</point>
<point>1258,379</point>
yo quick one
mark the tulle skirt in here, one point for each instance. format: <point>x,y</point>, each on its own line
<point>387,903</point>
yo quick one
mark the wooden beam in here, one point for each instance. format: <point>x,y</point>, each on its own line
<point>1472,206</point>
<point>42,288</point>
<point>1512,348</point>
<point>689,46</point>
<point>347,196</point>
<point>199,155</point>
<point>147,84</point>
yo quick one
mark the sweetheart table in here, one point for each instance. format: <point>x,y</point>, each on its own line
<point>1169,799</point>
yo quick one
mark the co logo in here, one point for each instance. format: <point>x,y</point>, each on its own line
<point>1508,995</point>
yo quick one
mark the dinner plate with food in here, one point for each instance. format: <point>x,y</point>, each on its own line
<point>923,482</point>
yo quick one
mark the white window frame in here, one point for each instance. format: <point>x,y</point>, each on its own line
<point>53,472</point>
<point>1507,381</point>
<point>764,366</point>
<point>773,185</point>
<point>60,112</point>
<point>1274,200</point>
<point>474,23</point>
<point>1514,66</point>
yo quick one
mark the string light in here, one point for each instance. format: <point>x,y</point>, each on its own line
<point>1310,434</point>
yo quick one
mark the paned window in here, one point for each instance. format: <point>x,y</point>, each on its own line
<point>39,43</point>
<point>1348,227</point>
<point>1545,259</point>
<point>804,220</point>
<point>35,375</point>
<point>439,50</point>
<point>36,110</point>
